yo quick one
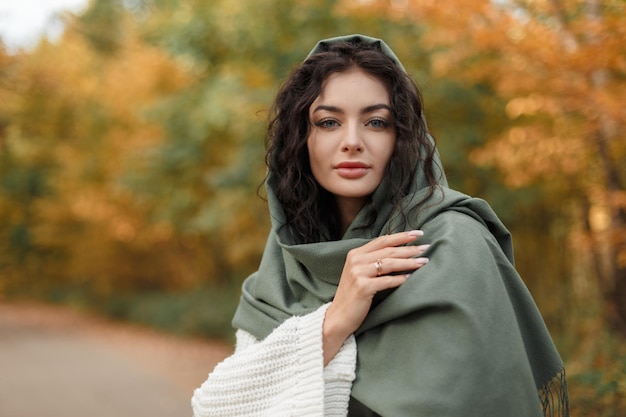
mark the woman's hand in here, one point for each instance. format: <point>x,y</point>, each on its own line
<point>368,270</point>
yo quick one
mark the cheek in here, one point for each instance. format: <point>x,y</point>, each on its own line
<point>386,151</point>
<point>317,152</point>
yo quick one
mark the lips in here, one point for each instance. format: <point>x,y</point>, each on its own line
<point>352,170</point>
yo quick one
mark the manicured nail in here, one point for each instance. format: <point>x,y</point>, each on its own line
<point>421,261</point>
<point>423,248</point>
<point>416,233</point>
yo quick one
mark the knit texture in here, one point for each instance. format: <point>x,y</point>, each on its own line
<point>281,376</point>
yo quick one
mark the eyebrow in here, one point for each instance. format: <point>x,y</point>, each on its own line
<point>368,109</point>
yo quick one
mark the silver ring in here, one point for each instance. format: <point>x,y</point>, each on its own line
<point>379,267</point>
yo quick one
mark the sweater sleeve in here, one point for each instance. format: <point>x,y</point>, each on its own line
<point>282,375</point>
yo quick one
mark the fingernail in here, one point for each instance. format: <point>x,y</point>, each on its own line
<point>416,233</point>
<point>422,248</point>
<point>421,261</point>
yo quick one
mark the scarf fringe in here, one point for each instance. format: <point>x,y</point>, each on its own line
<point>554,396</point>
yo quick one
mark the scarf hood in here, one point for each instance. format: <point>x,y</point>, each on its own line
<point>463,333</point>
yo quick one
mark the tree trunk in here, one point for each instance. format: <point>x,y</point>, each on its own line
<point>615,289</point>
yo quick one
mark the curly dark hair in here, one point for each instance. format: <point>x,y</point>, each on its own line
<point>311,211</point>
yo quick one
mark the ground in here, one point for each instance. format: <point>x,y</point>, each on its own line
<point>56,362</point>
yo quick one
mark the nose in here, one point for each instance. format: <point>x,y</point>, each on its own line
<point>352,141</point>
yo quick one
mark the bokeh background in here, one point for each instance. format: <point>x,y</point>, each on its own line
<point>132,142</point>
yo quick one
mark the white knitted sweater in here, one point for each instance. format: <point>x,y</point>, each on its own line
<point>280,376</point>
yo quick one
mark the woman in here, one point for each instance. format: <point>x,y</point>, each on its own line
<point>381,292</point>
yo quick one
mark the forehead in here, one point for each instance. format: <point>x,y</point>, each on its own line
<point>353,85</point>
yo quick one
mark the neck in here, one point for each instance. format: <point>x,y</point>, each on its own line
<point>348,209</point>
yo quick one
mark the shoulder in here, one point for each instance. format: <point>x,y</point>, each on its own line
<point>455,228</point>
<point>465,220</point>
<point>464,255</point>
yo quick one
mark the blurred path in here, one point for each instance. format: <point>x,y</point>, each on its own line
<point>58,363</point>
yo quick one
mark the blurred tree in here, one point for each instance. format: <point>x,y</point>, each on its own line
<point>24,179</point>
<point>73,123</point>
<point>103,25</point>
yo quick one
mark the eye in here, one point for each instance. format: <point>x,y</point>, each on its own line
<point>378,123</point>
<point>327,123</point>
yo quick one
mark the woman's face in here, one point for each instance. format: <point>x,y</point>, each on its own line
<point>352,137</point>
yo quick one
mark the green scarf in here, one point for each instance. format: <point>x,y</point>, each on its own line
<point>461,337</point>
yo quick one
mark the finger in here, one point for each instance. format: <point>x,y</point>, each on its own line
<point>399,251</point>
<point>388,281</point>
<point>390,265</point>
<point>394,239</point>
